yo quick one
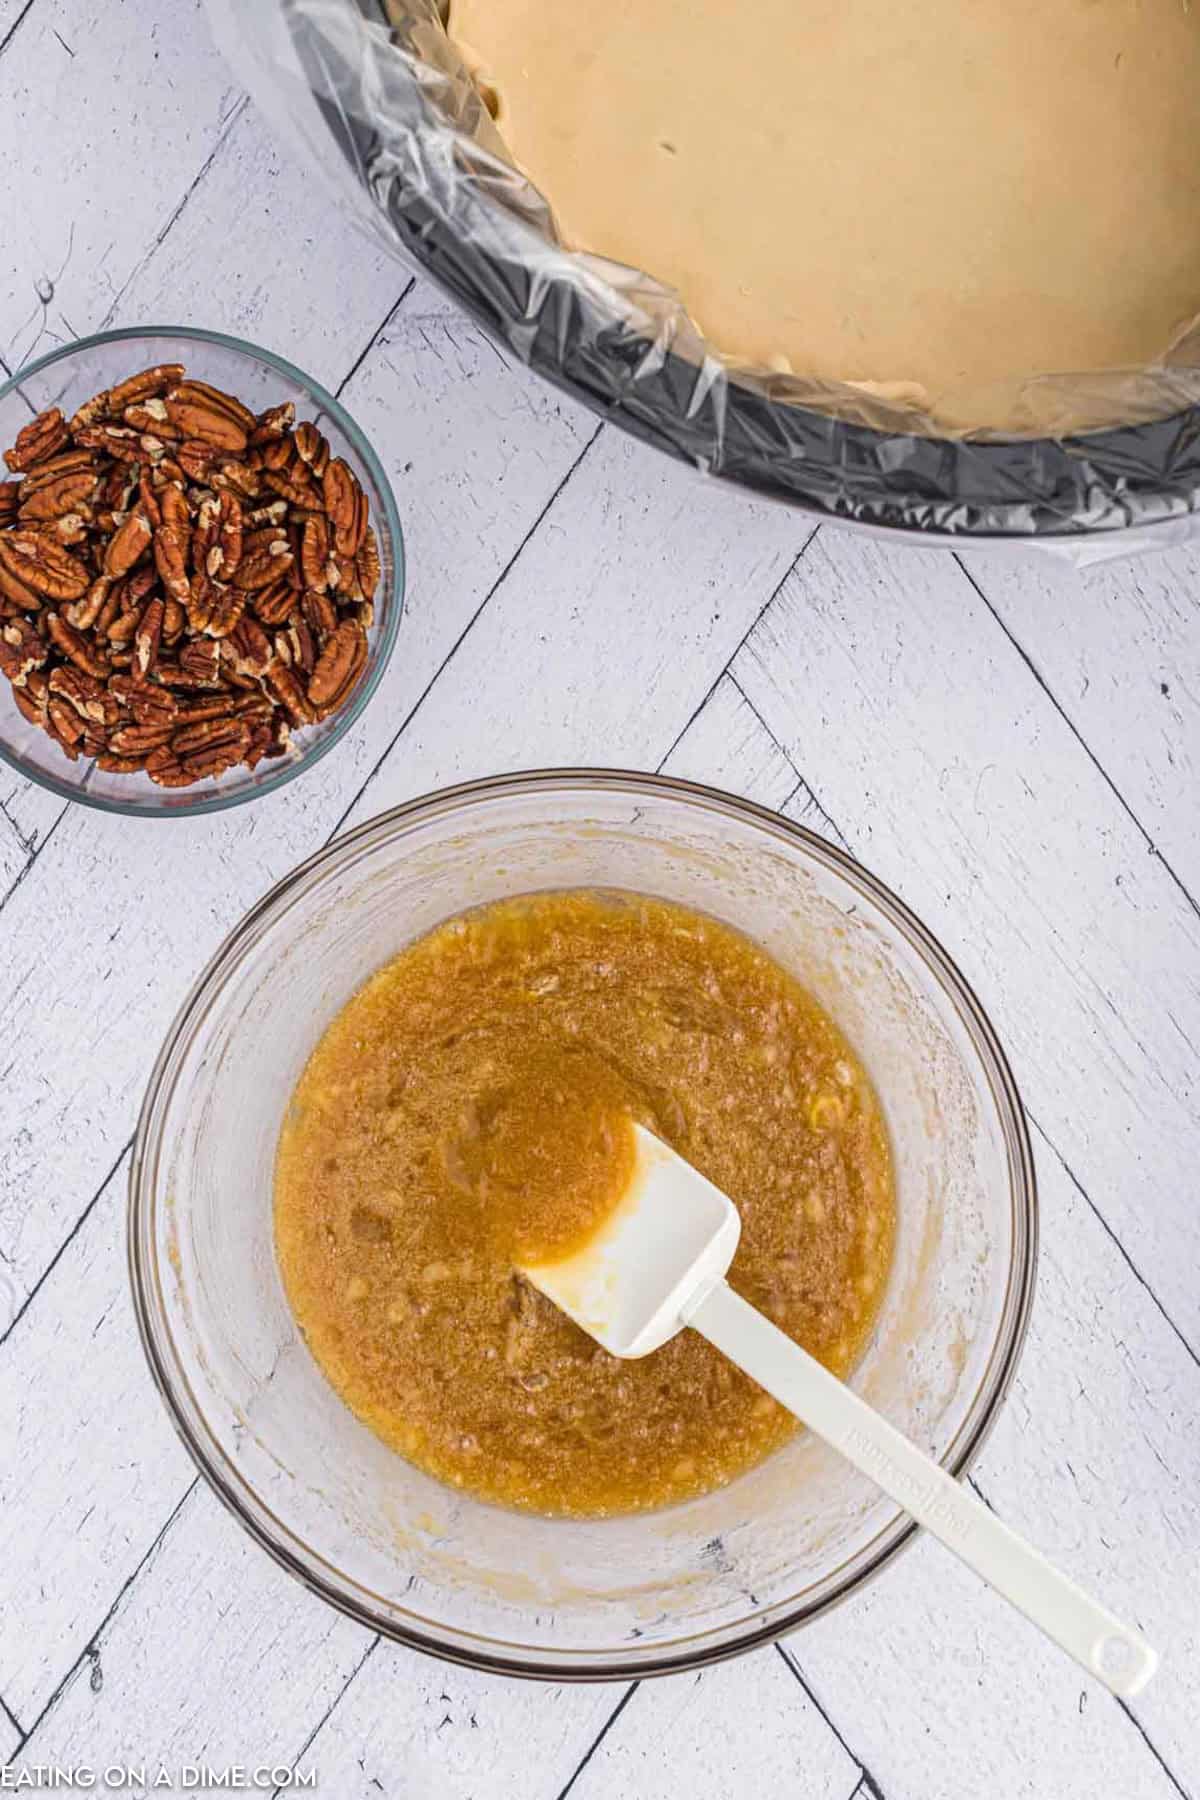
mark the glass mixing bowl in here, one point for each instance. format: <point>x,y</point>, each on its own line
<point>68,377</point>
<point>433,1567</point>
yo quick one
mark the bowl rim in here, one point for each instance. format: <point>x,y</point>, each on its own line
<point>348,425</point>
<point>248,1506</point>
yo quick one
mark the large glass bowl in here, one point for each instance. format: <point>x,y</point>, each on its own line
<point>68,377</point>
<point>433,1567</point>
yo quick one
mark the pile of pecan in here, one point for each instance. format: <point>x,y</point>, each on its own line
<point>182,581</point>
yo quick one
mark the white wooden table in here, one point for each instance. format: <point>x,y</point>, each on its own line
<point>1012,746</point>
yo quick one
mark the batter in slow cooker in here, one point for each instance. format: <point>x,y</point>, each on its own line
<point>945,197</point>
<point>469,1110</point>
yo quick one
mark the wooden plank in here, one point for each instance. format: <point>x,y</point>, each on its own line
<point>285,267</point>
<point>1119,648</point>
<point>725,743</point>
<point>14,852</point>
<point>11,14</point>
<point>743,1728</point>
<point>215,1656</point>
<point>618,617</point>
<point>913,719</point>
<point>941,1693</point>
<point>413,1726</point>
<point>31,811</point>
<point>100,1469</point>
<point>1095,1456</point>
<point>10,1737</point>
<point>141,92</point>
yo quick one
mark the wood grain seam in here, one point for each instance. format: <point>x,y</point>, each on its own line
<point>802,786</point>
<point>13,1720</point>
<point>363,354</point>
<point>867,1782</point>
<point>459,641</point>
<point>16,25</point>
<point>1042,1133</point>
<point>230,120</point>
<point>599,1738</point>
<point>1124,1706</point>
<point>1155,1752</point>
<point>27,844</point>
<point>307,1745</point>
<point>37,851</point>
<point>91,1647</point>
<point>1110,1233</point>
<point>76,1228</point>
<point>735,652</point>
<point>1027,659</point>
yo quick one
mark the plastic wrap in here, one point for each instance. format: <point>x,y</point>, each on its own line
<point>378,95</point>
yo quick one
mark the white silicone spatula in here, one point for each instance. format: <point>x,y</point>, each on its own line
<point>658,1264</point>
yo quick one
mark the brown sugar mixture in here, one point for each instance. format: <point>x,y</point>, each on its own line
<point>469,1109</point>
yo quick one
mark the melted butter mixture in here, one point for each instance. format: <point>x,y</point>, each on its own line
<point>469,1109</point>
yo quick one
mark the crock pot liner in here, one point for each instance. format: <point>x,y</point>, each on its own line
<point>397,109</point>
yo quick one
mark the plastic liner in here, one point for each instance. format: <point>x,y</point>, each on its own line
<point>378,94</point>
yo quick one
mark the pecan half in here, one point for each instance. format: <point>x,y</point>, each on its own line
<point>22,649</point>
<point>128,545</point>
<point>195,459</point>
<point>200,420</point>
<point>367,565</point>
<point>314,552</point>
<point>147,637</point>
<point>276,422</point>
<point>82,614</point>
<point>339,665</point>
<point>164,768</point>
<point>117,441</point>
<point>224,553</point>
<point>152,419</point>
<point>274,605</point>
<point>41,438</point>
<point>281,682</point>
<point>62,494</point>
<point>174,622</point>
<point>139,740</point>
<point>312,448</point>
<point>346,505</point>
<point>32,697</point>
<point>42,565</point>
<point>16,592</point>
<point>145,385</point>
<point>266,555</point>
<point>320,613</point>
<point>250,647</point>
<point>202,393</point>
<point>170,561</point>
<point>90,698</point>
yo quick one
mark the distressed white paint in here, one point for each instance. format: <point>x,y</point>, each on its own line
<point>100,1466</point>
<point>146,99</point>
<point>1119,648</point>
<point>917,724</point>
<point>573,598</point>
<point>417,1729</point>
<point>704,1724</point>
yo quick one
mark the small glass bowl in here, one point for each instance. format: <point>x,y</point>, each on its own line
<point>571,1599</point>
<point>68,377</point>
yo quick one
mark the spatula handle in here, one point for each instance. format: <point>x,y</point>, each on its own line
<point>1116,1655</point>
